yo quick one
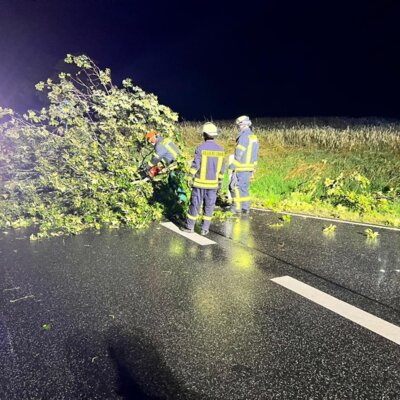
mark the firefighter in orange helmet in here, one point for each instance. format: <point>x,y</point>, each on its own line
<point>165,152</point>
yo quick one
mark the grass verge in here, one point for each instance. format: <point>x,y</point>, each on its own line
<point>316,173</point>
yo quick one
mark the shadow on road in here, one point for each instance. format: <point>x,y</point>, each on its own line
<point>119,364</point>
<point>141,372</point>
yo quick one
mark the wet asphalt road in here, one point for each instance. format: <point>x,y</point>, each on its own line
<point>153,315</point>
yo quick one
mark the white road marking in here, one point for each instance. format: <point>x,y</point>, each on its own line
<point>203,241</point>
<point>354,314</point>
<point>340,221</point>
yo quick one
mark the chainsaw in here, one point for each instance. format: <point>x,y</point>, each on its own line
<point>155,173</point>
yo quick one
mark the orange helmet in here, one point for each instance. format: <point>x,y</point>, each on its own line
<point>151,136</point>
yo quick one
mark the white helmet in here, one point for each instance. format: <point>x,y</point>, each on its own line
<point>243,120</point>
<point>210,129</point>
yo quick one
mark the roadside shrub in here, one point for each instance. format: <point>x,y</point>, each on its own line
<point>350,190</point>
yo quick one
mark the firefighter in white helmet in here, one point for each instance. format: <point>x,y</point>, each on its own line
<point>207,171</point>
<point>243,165</point>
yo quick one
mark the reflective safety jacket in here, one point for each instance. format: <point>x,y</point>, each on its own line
<point>246,152</point>
<point>165,152</point>
<point>208,166</point>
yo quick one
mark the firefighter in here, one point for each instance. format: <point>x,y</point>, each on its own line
<point>166,152</point>
<point>206,174</point>
<point>243,166</point>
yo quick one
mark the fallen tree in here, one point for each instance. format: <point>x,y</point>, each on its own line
<point>76,163</point>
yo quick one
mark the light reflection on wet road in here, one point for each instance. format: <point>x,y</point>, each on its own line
<point>347,258</point>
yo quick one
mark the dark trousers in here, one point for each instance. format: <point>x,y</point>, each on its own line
<point>209,197</point>
<point>239,188</point>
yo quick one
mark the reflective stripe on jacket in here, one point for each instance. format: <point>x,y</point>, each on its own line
<point>165,151</point>
<point>208,166</point>
<point>246,152</point>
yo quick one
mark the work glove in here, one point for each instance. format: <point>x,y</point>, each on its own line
<point>233,181</point>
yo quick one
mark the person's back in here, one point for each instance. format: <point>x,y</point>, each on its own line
<point>165,150</point>
<point>210,157</point>
<point>207,172</point>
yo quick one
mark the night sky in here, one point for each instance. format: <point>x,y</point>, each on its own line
<point>212,59</point>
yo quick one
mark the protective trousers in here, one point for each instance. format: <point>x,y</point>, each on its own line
<point>239,187</point>
<point>209,196</point>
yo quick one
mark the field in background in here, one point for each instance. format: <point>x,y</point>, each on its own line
<point>342,168</point>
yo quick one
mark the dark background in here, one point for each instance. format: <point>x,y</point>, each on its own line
<point>213,59</point>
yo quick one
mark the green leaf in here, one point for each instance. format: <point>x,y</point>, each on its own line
<point>371,234</point>
<point>330,229</point>
<point>46,327</point>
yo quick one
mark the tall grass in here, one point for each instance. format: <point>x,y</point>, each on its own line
<point>328,133</point>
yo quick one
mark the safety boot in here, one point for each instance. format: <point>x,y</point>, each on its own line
<point>186,229</point>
